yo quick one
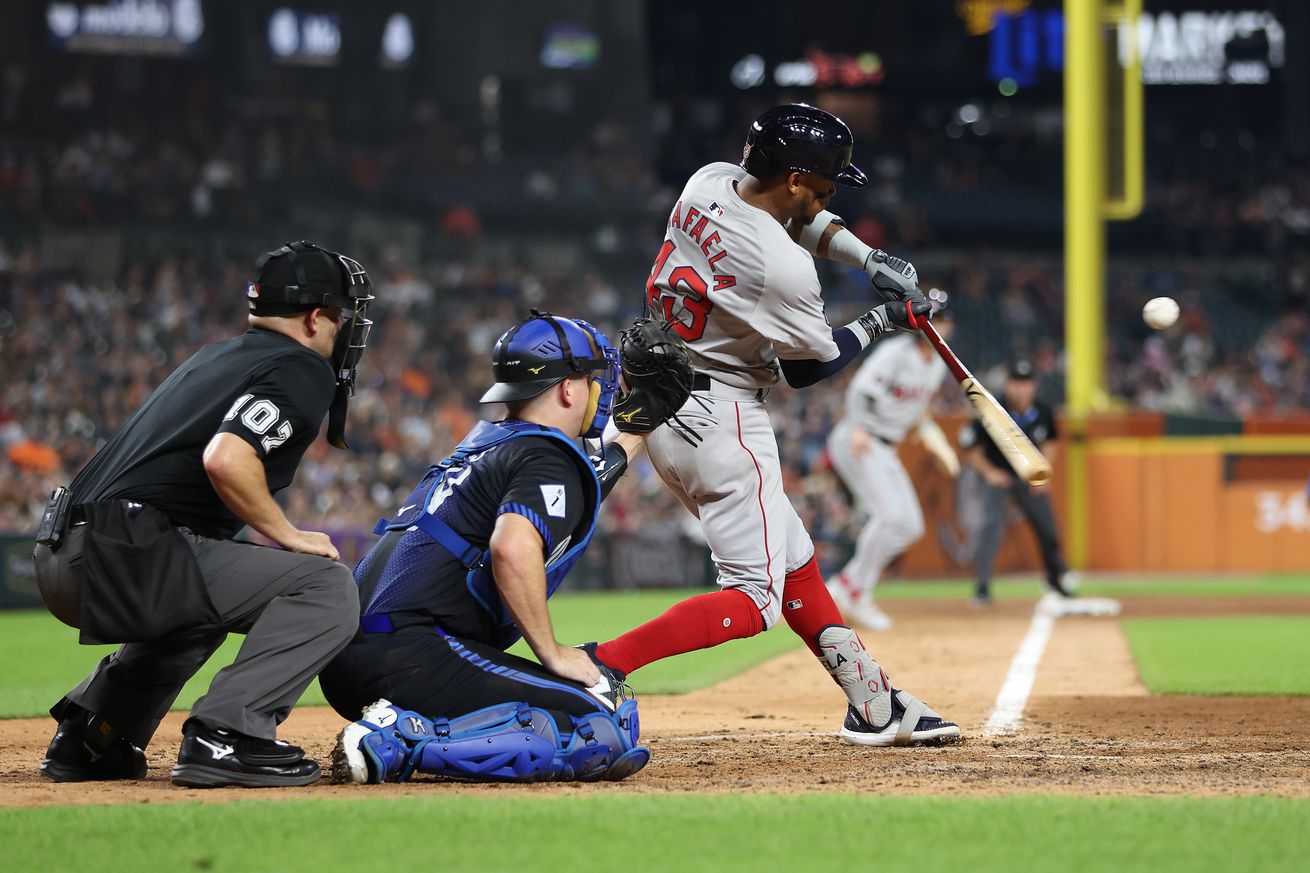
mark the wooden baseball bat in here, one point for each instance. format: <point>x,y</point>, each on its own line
<point>1024,458</point>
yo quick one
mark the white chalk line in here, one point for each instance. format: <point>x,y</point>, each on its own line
<point>765,735</point>
<point>1130,757</point>
<point>1007,713</point>
<point>1137,754</point>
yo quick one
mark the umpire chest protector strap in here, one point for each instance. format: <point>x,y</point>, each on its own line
<point>484,437</point>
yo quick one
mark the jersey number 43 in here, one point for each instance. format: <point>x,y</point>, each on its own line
<point>686,292</point>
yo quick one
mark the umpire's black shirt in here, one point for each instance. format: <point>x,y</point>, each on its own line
<point>1037,422</point>
<point>262,386</point>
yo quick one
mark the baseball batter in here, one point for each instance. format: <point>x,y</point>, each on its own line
<point>736,276</point>
<point>889,395</point>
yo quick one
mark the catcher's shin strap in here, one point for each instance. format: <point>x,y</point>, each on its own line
<point>715,388</point>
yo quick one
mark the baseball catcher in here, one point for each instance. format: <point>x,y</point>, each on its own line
<point>467,565</point>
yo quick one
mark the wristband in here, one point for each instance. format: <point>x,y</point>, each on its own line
<point>870,326</point>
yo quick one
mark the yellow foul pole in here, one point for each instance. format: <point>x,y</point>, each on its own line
<point>1084,250</point>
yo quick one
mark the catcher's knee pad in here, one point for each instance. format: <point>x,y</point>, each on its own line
<point>603,746</point>
<point>385,737</point>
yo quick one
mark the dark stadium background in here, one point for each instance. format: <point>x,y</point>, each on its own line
<point>497,155</point>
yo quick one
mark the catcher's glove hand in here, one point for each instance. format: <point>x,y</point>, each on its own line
<point>657,369</point>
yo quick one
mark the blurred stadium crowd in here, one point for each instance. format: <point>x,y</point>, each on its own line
<point>85,337</point>
<point>80,356</point>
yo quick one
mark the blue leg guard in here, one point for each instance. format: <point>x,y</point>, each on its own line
<point>604,746</point>
<point>511,742</point>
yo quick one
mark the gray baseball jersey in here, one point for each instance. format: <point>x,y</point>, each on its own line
<point>892,389</point>
<point>735,286</point>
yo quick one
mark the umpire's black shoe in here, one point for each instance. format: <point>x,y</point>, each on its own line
<point>218,757</point>
<point>85,749</point>
<point>613,687</point>
<point>1058,586</point>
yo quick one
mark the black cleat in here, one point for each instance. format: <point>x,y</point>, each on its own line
<point>612,688</point>
<point>85,749</point>
<point>218,757</point>
<point>1058,588</point>
<point>912,723</point>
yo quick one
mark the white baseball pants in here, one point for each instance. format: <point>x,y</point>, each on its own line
<point>883,491</point>
<point>733,483</point>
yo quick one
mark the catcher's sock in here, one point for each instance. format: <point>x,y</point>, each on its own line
<point>807,605</point>
<point>698,622</point>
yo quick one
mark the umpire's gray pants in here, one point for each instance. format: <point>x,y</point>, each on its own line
<point>1036,508</point>
<point>297,611</point>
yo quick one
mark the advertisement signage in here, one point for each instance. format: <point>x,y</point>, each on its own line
<point>128,27</point>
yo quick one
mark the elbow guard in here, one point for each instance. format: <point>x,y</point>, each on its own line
<point>610,467</point>
<point>812,233</point>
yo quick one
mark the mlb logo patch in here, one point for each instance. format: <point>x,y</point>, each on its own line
<point>716,210</point>
<point>252,290</point>
<point>794,604</point>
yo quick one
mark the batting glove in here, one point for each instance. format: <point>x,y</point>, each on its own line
<point>893,278</point>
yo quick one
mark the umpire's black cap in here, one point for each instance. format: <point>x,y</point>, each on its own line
<point>1022,369</point>
<point>301,276</point>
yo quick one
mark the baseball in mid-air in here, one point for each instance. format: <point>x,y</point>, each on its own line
<point>1160,312</point>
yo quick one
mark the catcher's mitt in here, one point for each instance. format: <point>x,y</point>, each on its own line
<point>657,368</point>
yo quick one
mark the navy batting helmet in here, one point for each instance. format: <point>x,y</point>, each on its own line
<point>541,350</point>
<point>797,136</point>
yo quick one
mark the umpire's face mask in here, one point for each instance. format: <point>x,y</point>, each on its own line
<point>352,338</point>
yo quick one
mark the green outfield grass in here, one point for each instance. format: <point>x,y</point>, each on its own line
<point>1030,587</point>
<point>43,660</point>
<point>712,833</point>
<point>1240,655</point>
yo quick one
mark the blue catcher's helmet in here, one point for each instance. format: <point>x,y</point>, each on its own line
<point>541,350</point>
<point>797,136</point>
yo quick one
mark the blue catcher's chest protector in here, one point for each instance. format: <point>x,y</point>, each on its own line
<point>484,437</point>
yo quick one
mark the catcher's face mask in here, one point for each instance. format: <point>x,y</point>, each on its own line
<point>349,290</point>
<point>605,382</point>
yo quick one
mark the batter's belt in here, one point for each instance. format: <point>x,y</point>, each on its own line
<point>715,388</point>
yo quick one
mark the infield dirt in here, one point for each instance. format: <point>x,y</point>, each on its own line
<point>1090,726</point>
